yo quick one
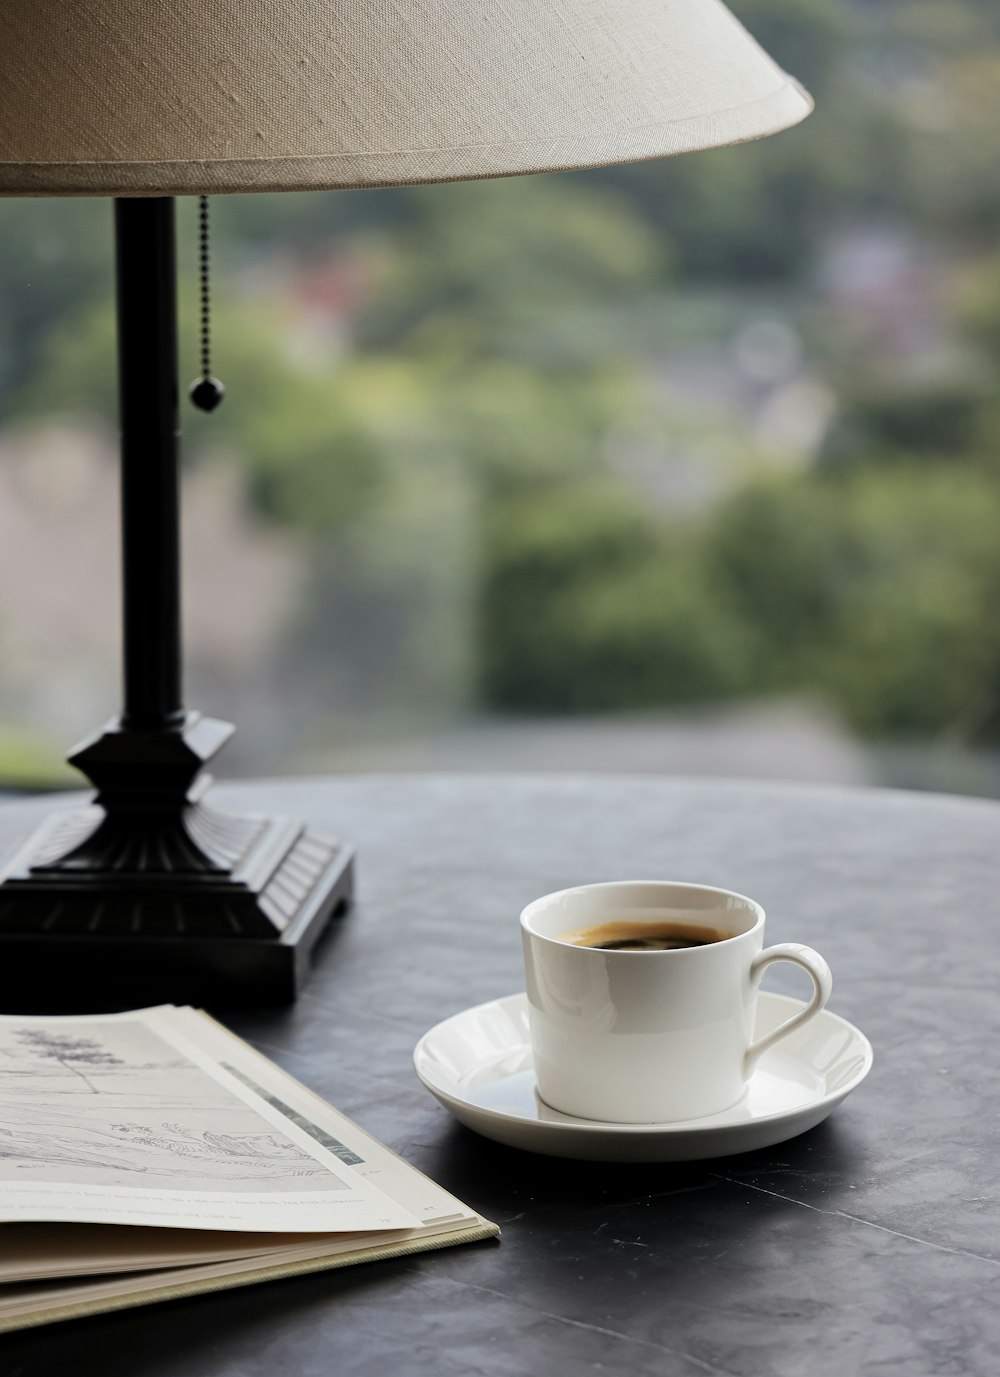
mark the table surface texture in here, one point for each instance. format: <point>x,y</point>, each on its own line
<point>868,1246</point>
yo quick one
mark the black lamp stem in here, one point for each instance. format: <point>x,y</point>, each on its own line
<point>148,389</point>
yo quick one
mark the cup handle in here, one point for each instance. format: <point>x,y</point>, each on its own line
<point>810,961</point>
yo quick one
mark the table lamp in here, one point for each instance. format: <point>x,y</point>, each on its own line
<point>151,894</point>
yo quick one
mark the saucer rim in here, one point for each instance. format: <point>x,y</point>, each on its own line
<point>701,1125</point>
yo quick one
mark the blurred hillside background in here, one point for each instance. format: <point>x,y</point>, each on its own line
<point>691,465</point>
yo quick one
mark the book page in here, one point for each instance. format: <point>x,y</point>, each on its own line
<point>364,1155</point>
<point>30,1303</point>
<point>37,1252</point>
<point>121,1119</point>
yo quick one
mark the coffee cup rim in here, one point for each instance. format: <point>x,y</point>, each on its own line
<point>756,908</point>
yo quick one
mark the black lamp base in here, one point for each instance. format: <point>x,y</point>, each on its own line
<point>153,896</point>
<point>75,944</point>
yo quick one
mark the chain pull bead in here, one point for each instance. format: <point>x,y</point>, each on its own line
<point>207,392</point>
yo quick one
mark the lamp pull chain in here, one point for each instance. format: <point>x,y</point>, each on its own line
<point>207,392</point>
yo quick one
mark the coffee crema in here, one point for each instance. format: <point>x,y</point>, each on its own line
<point>623,934</point>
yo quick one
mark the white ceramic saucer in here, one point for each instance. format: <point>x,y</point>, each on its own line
<point>478,1064</point>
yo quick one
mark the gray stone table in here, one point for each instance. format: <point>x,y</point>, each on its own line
<point>868,1246</point>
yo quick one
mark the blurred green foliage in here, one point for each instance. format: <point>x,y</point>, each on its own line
<point>455,401</point>
<point>593,606</point>
<point>878,590</point>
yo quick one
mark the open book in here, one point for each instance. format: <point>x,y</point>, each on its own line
<point>153,1154</point>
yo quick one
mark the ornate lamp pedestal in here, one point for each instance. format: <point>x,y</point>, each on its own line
<point>151,895</point>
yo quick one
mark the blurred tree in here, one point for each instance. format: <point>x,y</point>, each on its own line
<point>491,267</point>
<point>893,421</point>
<point>56,260</point>
<point>589,605</point>
<point>978,305</point>
<point>877,589</point>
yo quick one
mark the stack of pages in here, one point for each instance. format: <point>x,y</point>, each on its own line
<point>152,1154</point>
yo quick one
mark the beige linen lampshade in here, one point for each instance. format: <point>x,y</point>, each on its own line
<point>165,97</point>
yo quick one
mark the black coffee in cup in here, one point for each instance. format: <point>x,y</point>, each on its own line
<point>624,934</point>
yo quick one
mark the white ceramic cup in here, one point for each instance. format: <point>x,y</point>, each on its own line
<point>651,1036</point>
